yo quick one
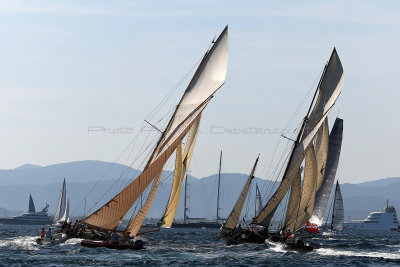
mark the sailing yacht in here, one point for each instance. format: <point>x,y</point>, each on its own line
<point>32,217</point>
<point>62,212</point>
<point>384,220</point>
<point>208,78</point>
<point>230,230</point>
<point>310,148</point>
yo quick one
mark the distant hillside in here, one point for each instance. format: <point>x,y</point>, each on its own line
<point>79,171</point>
<point>44,183</point>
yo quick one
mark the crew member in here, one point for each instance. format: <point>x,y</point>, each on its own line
<point>42,233</point>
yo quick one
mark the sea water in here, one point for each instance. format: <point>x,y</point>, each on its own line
<point>183,247</point>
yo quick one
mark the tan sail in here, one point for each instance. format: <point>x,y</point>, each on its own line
<point>266,214</point>
<point>109,216</point>
<point>308,190</point>
<point>294,202</point>
<point>133,227</point>
<point>233,218</point>
<point>169,214</point>
<point>181,168</point>
<point>321,150</point>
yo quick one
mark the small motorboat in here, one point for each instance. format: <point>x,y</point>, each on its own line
<point>57,239</point>
<point>138,244</point>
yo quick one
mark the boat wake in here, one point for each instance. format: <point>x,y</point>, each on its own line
<point>348,253</point>
<point>25,242</point>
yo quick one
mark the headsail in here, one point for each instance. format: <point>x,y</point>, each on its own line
<point>233,218</point>
<point>321,151</point>
<point>308,190</point>
<point>31,205</point>
<point>332,162</point>
<point>328,90</point>
<point>338,211</point>
<point>181,168</point>
<point>62,204</point>
<point>294,202</point>
<point>209,77</point>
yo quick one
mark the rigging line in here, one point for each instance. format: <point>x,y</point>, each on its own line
<point>105,173</point>
<point>165,99</point>
<point>152,113</point>
<point>116,181</point>
<point>145,159</point>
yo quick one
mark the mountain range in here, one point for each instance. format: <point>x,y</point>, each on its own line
<point>98,181</point>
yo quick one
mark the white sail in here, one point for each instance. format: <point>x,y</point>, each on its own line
<point>259,204</point>
<point>62,204</point>
<point>338,211</point>
<point>65,217</point>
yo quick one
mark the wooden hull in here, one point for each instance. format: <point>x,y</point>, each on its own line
<point>95,244</point>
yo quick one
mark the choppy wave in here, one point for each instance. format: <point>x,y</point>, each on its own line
<point>183,247</point>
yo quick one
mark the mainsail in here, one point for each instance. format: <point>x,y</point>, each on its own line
<point>208,78</point>
<point>328,90</point>
<point>332,162</point>
<point>181,168</point>
<point>338,211</point>
<point>233,218</point>
<point>62,205</point>
<point>31,205</point>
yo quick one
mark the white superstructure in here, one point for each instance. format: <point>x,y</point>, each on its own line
<point>385,220</point>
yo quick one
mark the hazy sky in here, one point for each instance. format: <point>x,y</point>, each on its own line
<point>69,65</point>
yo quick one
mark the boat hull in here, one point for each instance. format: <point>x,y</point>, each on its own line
<point>97,244</point>
<point>25,221</point>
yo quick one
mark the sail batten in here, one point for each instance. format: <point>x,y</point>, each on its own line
<point>233,218</point>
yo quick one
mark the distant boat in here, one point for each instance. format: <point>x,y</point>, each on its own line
<point>384,220</point>
<point>230,228</point>
<point>62,212</point>
<point>337,218</point>
<point>189,222</point>
<point>31,217</point>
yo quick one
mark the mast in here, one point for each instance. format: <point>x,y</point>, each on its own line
<point>84,208</point>
<point>219,185</point>
<point>184,202</point>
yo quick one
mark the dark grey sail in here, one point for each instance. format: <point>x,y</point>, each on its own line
<point>31,205</point>
<point>322,195</point>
